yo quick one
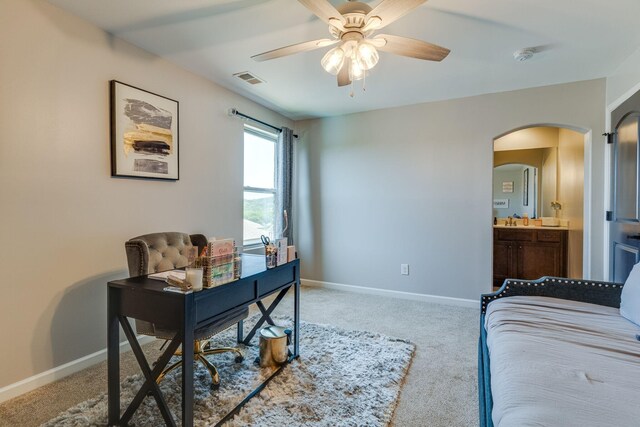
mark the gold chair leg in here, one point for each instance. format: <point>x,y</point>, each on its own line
<point>199,354</point>
<point>215,377</point>
<point>198,346</point>
<point>167,370</point>
<point>224,350</point>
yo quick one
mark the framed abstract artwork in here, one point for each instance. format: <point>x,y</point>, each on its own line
<point>144,134</point>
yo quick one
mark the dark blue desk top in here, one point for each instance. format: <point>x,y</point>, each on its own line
<point>252,265</point>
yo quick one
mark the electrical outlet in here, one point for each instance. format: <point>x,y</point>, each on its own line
<point>404,269</point>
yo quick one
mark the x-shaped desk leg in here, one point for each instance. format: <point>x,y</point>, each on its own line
<point>266,315</point>
<point>150,375</point>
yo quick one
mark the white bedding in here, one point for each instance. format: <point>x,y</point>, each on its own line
<point>562,363</point>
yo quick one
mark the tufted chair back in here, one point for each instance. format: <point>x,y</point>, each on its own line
<point>157,252</point>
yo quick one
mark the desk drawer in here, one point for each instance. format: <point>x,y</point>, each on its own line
<point>223,298</point>
<point>279,276</point>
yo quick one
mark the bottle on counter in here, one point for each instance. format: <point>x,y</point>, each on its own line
<point>495,220</point>
<point>525,219</point>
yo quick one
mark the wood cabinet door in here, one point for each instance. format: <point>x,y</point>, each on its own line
<point>539,259</point>
<point>503,262</point>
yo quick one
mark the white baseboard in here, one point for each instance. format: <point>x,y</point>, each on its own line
<point>460,302</point>
<point>43,378</point>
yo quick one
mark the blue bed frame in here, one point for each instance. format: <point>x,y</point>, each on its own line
<point>594,292</point>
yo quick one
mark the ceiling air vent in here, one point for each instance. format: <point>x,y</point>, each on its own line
<point>248,77</point>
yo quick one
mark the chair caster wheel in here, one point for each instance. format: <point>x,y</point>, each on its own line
<point>239,359</point>
<point>215,386</point>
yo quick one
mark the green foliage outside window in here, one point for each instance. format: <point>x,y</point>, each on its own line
<point>259,211</point>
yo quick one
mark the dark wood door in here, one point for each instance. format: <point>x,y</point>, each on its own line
<point>503,262</point>
<point>539,259</point>
<point>625,222</point>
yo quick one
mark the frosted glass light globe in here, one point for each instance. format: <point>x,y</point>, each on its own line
<point>356,72</point>
<point>367,55</point>
<point>333,60</point>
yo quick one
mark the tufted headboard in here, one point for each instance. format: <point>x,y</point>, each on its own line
<point>156,252</point>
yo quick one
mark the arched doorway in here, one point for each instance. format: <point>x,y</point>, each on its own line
<point>556,155</point>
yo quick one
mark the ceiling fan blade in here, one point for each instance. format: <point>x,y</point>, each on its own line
<point>390,10</point>
<point>294,48</point>
<point>324,10</point>
<point>343,75</point>
<point>411,47</point>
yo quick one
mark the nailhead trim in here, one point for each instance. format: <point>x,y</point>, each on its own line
<point>507,291</point>
<point>139,248</point>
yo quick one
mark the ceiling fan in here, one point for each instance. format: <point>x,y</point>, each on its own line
<point>352,26</point>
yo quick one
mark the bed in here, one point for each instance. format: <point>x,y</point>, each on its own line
<point>557,352</point>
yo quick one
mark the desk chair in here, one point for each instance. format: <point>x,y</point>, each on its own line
<point>152,253</point>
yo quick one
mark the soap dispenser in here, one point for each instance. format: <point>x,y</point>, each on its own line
<point>525,219</point>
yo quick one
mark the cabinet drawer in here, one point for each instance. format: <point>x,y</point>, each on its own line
<point>514,235</point>
<point>549,236</point>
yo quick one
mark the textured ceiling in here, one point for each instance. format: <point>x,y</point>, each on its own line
<point>575,40</point>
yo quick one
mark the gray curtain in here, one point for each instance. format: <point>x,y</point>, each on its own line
<point>286,156</point>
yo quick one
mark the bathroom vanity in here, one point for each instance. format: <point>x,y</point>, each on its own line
<point>528,252</point>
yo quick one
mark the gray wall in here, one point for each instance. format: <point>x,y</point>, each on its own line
<point>413,185</point>
<point>624,79</point>
<point>64,219</point>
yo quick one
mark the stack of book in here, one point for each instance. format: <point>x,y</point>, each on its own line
<point>222,262</point>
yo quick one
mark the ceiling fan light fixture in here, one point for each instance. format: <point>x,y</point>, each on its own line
<point>356,72</point>
<point>352,26</point>
<point>333,60</point>
<point>366,55</point>
<point>336,23</point>
<point>372,24</point>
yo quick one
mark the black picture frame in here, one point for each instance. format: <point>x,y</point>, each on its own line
<point>145,137</point>
<point>525,187</point>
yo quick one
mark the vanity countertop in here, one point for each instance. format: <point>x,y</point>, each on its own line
<point>531,227</point>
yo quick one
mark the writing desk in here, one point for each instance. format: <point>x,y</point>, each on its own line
<point>143,298</point>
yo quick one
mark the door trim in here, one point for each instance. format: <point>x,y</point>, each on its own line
<point>589,223</point>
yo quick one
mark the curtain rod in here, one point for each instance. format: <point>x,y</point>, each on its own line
<point>234,112</point>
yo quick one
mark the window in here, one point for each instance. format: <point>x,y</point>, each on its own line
<point>259,184</point>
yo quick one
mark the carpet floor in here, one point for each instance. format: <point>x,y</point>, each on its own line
<point>439,390</point>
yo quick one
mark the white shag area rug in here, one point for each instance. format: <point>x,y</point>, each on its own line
<point>342,378</point>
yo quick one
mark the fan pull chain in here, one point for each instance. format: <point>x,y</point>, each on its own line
<point>352,94</point>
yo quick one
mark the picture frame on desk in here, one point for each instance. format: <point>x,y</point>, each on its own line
<point>282,252</point>
<point>144,134</point>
